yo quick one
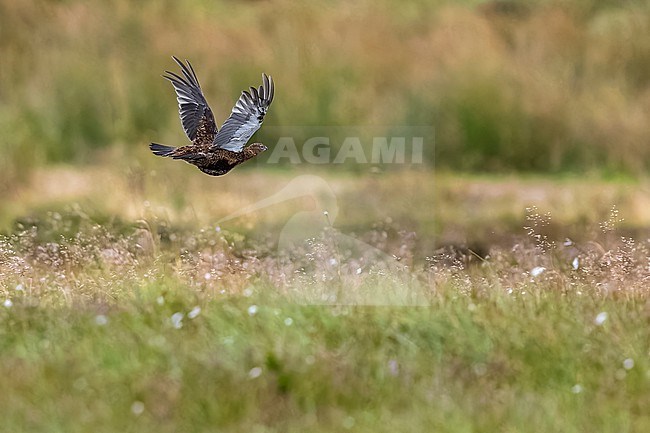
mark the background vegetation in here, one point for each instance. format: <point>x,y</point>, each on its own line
<point>545,85</point>
<point>510,269</point>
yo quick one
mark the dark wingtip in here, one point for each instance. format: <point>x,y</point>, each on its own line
<point>266,90</point>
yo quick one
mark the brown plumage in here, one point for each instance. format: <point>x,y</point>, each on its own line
<point>216,152</point>
<point>215,163</point>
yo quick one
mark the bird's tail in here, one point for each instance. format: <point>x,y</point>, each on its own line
<point>161,149</point>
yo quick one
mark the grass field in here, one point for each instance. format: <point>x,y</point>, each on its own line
<point>544,85</point>
<point>500,285</point>
<point>130,315</point>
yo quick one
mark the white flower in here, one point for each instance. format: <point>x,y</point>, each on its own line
<point>101,320</point>
<point>194,313</point>
<point>255,372</point>
<point>252,310</point>
<point>7,303</point>
<point>137,408</point>
<point>600,318</point>
<point>288,321</point>
<point>575,263</point>
<point>537,270</point>
<point>628,364</point>
<point>177,320</point>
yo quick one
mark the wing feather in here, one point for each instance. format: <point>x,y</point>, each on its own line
<point>246,117</point>
<point>196,117</point>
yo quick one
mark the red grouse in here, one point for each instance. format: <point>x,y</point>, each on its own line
<point>216,152</point>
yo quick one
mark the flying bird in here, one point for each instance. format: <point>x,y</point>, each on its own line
<point>213,151</point>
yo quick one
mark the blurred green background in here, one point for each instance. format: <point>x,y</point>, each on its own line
<point>526,226</point>
<point>546,85</point>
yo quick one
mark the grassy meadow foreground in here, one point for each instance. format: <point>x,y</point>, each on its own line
<point>137,294</point>
<point>144,313</point>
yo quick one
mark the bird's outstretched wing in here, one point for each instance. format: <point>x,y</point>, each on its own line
<point>246,117</point>
<point>196,116</point>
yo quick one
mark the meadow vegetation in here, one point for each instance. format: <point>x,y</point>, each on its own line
<point>544,85</point>
<point>141,316</point>
<point>137,294</point>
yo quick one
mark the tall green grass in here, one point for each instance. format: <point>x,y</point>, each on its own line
<point>151,328</point>
<point>544,86</point>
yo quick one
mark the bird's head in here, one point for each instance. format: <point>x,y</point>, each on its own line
<point>256,148</point>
